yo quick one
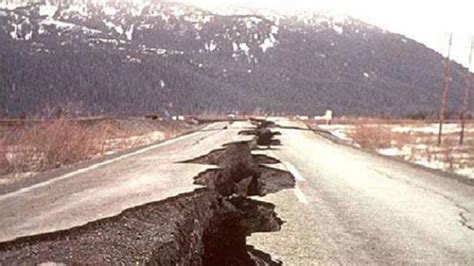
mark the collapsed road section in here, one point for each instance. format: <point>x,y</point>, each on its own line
<point>208,226</point>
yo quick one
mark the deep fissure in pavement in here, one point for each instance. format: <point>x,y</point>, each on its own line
<point>264,136</point>
<point>242,174</point>
<point>206,227</point>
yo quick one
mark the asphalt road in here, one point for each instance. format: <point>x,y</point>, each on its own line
<point>352,207</point>
<point>348,206</point>
<point>107,188</point>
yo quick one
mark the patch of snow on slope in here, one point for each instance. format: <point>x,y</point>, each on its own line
<point>145,26</point>
<point>137,8</point>
<point>323,18</point>
<point>8,5</point>
<point>177,11</point>
<point>14,33</point>
<point>129,33</point>
<point>165,17</point>
<point>102,40</point>
<point>90,31</point>
<point>244,47</point>
<point>252,22</point>
<point>79,9</point>
<point>211,46</point>
<point>112,26</point>
<point>58,24</point>
<point>338,18</point>
<point>28,36</point>
<point>275,29</point>
<point>19,32</point>
<point>41,29</point>
<point>248,24</point>
<point>47,10</point>
<point>268,43</point>
<point>109,11</point>
<point>65,25</point>
<point>197,18</point>
<point>338,29</point>
<point>198,26</point>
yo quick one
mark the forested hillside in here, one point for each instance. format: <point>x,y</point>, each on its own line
<point>173,58</point>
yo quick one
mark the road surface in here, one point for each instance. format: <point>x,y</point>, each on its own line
<point>106,189</point>
<point>348,206</point>
<point>352,207</point>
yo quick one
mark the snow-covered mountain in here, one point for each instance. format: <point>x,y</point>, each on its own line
<point>135,57</point>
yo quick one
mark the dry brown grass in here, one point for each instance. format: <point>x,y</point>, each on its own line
<point>33,146</point>
<point>414,141</point>
<point>376,136</point>
<point>370,137</point>
<point>48,145</point>
<point>380,121</point>
<point>4,164</point>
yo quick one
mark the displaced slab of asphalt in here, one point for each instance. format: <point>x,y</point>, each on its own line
<point>352,207</point>
<point>105,189</point>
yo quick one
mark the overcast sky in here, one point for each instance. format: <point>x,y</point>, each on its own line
<point>427,21</point>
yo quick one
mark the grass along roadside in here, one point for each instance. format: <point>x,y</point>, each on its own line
<point>412,140</point>
<point>28,147</point>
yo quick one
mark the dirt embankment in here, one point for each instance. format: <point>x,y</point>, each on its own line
<point>206,227</point>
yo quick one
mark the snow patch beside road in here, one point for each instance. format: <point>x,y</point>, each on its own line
<point>416,143</point>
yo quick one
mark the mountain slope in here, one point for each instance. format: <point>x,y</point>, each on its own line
<point>172,58</point>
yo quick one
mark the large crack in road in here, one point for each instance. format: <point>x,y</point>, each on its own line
<point>206,227</point>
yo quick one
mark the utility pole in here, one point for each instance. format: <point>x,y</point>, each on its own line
<point>467,92</point>
<point>444,95</point>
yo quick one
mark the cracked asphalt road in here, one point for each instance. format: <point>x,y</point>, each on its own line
<point>107,188</point>
<point>352,207</point>
<point>348,206</point>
